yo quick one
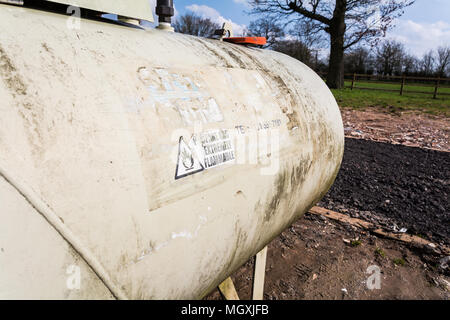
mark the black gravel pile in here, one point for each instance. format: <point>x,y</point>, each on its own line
<point>394,186</point>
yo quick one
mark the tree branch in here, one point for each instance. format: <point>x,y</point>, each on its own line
<point>309,14</point>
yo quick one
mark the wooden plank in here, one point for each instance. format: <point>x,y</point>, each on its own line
<point>393,83</point>
<point>341,217</point>
<point>404,91</point>
<point>399,77</point>
<point>259,275</point>
<point>425,92</point>
<point>378,89</point>
<point>407,84</point>
<point>371,227</point>
<point>228,290</point>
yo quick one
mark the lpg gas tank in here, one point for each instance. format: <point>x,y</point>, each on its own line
<point>144,164</point>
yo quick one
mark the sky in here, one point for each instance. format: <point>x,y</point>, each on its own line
<point>424,26</point>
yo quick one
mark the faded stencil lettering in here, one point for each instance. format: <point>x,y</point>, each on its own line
<point>179,92</point>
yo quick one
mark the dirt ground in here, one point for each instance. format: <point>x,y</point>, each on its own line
<point>407,128</point>
<point>312,260</point>
<point>319,258</point>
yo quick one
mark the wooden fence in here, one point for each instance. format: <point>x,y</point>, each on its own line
<point>400,84</point>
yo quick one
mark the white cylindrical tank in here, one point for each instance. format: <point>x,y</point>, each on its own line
<point>143,164</point>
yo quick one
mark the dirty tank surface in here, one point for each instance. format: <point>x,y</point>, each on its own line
<point>104,137</point>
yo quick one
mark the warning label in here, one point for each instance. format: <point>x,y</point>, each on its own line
<point>188,162</point>
<point>204,151</point>
<point>217,147</point>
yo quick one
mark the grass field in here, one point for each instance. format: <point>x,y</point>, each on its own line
<point>392,101</point>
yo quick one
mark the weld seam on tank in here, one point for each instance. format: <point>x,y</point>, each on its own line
<point>65,232</point>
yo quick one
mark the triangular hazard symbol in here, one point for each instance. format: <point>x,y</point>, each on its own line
<point>187,162</point>
<point>196,147</point>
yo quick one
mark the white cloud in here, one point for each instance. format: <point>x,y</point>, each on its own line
<point>211,13</point>
<point>421,37</point>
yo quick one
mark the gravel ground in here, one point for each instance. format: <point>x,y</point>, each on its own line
<point>394,186</point>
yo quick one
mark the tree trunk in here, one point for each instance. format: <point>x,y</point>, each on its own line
<point>335,78</point>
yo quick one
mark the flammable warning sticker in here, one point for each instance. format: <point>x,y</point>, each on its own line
<point>188,163</point>
<point>204,151</point>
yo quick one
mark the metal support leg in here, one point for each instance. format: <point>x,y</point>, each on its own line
<point>259,275</point>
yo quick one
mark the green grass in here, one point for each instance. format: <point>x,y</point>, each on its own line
<point>355,243</point>
<point>399,262</point>
<point>392,101</point>
<point>380,252</point>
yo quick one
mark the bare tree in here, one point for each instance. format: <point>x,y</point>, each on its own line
<point>410,64</point>
<point>427,64</point>
<point>266,27</point>
<point>296,49</point>
<point>359,60</point>
<point>443,60</point>
<point>347,22</point>
<point>389,58</point>
<point>195,25</point>
<point>276,40</point>
<point>308,33</point>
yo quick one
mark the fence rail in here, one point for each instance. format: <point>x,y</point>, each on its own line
<point>400,84</point>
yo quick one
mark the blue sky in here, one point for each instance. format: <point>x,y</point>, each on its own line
<point>229,9</point>
<point>424,26</point>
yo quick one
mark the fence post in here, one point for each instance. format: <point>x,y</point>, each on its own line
<point>403,85</point>
<point>436,89</point>
<point>353,80</point>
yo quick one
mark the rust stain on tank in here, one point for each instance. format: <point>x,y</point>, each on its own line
<point>214,52</point>
<point>46,48</point>
<point>10,75</point>
<point>286,183</point>
<point>26,108</point>
<point>236,58</point>
<point>242,236</point>
<point>293,120</point>
<point>281,186</point>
